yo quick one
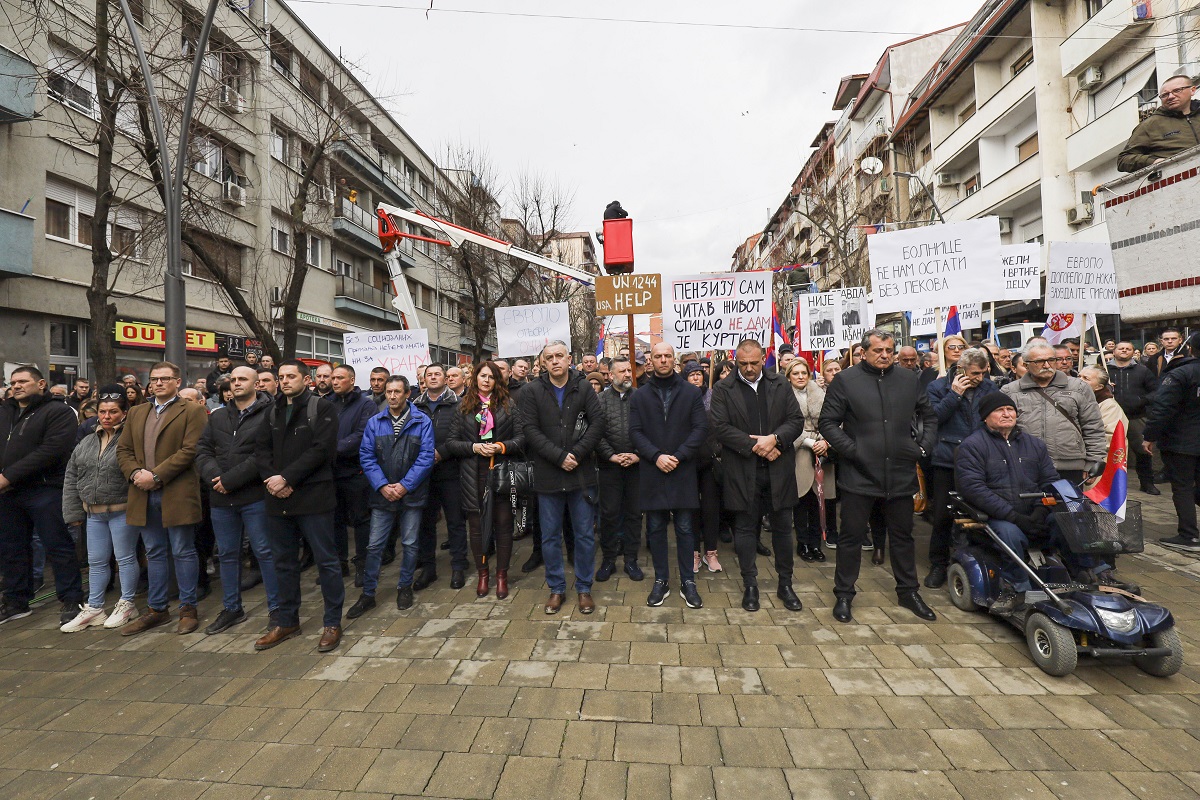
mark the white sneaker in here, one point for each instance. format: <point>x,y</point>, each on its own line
<point>124,612</point>
<point>710,561</point>
<point>87,617</point>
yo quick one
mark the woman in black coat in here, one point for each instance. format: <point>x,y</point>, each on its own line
<point>485,432</point>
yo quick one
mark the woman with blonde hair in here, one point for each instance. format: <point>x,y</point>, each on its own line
<point>810,446</point>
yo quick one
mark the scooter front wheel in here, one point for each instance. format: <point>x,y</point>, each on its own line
<point>1163,666</point>
<point>1051,645</point>
<point>959,588</point>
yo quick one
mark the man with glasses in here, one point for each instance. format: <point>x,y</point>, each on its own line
<point>1172,128</point>
<point>1062,412</point>
<point>157,453</point>
<point>1064,362</point>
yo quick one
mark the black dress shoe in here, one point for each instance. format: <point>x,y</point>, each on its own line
<point>1150,488</point>
<point>841,610</point>
<point>446,545</point>
<point>936,578</point>
<point>762,550</point>
<point>750,598</point>
<point>788,596</point>
<point>915,604</point>
<point>877,556</point>
<point>425,578</point>
<point>805,552</point>
<point>458,579</point>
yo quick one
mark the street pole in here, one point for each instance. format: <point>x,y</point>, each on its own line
<point>174,291</point>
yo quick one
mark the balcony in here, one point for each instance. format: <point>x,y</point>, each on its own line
<point>1008,190</point>
<point>875,130</point>
<point>16,244</point>
<point>996,108</point>
<point>356,224</point>
<point>18,84</point>
<point>357,154</point>
<point>1104,34</point>
<point>363,298</point>
<point>1102,138</point>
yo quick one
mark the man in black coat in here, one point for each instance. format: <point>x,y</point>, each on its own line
<point>1173,423</point>
<point>37,435</point>
<point>1133,385</point>
<point>561,418</point>
<point>620,514</point>
<point>354,409</point>
<point>668,425</point>
<point>756,419</point>
<point>295,455</point>
<point>869,417</point>
<point>237,500</point>
<point>440,404</point>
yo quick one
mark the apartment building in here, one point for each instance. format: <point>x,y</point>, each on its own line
<point>275,104</point>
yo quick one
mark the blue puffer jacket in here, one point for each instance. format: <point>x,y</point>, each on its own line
<point>991,472</point>
<point>354,409</point>
<point>406,459</point>
<point>957,417</point>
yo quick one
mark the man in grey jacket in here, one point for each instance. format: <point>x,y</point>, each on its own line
<point>620,517</point>
<point>1062,412</point>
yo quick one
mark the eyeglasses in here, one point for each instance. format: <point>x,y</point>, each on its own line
<point>113,396</point>
<point>956,347</point>
<point>162,379</point>
<point>1171,92</point>
<point>1041,361</point>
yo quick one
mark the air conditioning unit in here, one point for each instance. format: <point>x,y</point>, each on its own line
<point>946,179</point>
<point>1091,77</point>
<point>1005,225</point>
<point>231,100</point>
<point>276,295</point>
<point>1080,214</point>
<point>885,185</point>
<point>233,194</point>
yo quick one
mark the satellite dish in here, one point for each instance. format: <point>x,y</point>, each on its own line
<point>871,166</point>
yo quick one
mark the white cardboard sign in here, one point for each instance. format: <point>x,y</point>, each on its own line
<point>525,330</point>
<point>400,352</point>
<point>820,322</point>
<point>857,315</point>
<point>925,320</point>
<point>715,312</point>
<point>1081,279</point>
<point>955,263</point>
<point>1022,272</point>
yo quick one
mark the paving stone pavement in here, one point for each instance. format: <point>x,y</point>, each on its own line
<point>466,698</point>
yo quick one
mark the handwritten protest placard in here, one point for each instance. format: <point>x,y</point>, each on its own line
<point>924,320</point>
<point>1080,278</point>
<point>857,315</point>
<point>525,330</point>
<point>715,312</point>
<point>958,262</point>
<point>970,316</point>
<point>400,352</point>
<point>1022,272</point>
<point>819,321</point>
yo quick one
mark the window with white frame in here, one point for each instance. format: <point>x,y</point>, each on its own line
<point>343,267</point>
<point>281,145</point>
<point>69,215</point>
<point>281,235</point>
<point>206,156</point>
<point>317,344</point>
<point>71,81</point>
<point>314,250</point>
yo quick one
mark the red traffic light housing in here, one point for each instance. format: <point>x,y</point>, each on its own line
<point>618,246</point>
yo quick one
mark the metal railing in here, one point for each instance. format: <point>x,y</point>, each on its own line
<point>363,293</point>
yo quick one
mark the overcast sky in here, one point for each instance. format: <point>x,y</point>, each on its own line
<point>697,130</point>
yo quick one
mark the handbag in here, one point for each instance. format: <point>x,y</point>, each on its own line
<point>513,477</point>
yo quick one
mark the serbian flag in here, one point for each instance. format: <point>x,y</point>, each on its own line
<point>600,342</point>
<point>952,325</point>
<point>1060,327</point>
<point>1111,490</point>
<point>777,336</point>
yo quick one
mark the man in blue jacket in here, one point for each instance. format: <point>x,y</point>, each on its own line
<point>397,457</point>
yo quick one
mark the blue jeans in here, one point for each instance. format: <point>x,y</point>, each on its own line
<point>285,533</point>
<point>656,535</point>
<point>181,541</point>
<point>228,523</point>
<point>25,511</point>
<point>1015,538</point>
<point>552,506</point>
<point>383,520</point>
<point>108,533</point>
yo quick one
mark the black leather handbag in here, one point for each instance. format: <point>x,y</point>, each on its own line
<point>513,478</point>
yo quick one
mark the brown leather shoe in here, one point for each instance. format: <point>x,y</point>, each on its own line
<point>188,620</point>
<point>554,603</point>
<point>331,637</point>
<point>586,604</point>
<point>877,556</point>
<point>151,619</point>
<point>276,634</point>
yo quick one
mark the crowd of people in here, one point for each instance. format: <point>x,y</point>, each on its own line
<point>269,470</point>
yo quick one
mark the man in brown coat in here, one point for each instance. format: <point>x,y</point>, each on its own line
<point>156,452</point>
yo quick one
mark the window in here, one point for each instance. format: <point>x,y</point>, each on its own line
<point>58,219</point>
<point>1023,61</point>
<point>206,156</point>
<point>314,251</point>
<point>84,231</point>
<point>222,255</point>
<point>1027,149</point>
<point>423,187</point>
<point>71,80</point>
<point>1094,6</point>
<point>64,339</point>
<point>971,185</point>
<point>281,55</point>
<point>967,112</point>
<point>69,215</point>
<point>926,155</point>
<point>281,145</point>
<point>281,235</point>
<point>341,267</point>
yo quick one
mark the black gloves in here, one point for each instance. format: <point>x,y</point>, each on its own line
<point>1023,521</point>
<point>1096,469</point>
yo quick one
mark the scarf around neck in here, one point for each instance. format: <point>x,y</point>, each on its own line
<point>487,423</point>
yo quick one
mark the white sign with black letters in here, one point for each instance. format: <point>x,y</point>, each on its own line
<point>715,312</point>
<point>525,330</point>
<point>1022,272</point>
<point>819,325</point>
<point>1081,279</point>
<point>399,352</point>
<point>958,262</point>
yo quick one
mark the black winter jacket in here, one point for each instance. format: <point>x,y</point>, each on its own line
<point>667,418</point>
<point>1173,421</point>
<point>616,437</point>
<point>732,425</point>
<point>957,417</point>
<point>226,451</point>
<point>868,420</point>
<point>992,473</point>
<point>353,410</point>
<point>442,415</point>
<point>302,450</point>
<point>1133,386</point>
<point>550,432</point>
<point>36,441</point>
<point>464,433</point>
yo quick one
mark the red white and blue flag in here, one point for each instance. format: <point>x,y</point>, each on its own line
<point>600,342</point>
<point>952,323</point>
<point>777,336</point>
<point>1112,490</point>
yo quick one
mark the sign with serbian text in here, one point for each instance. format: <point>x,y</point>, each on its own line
<point>715,312</point>
<point>857,315</point>
<point>525,330</point>
<point>924,322</point>
<point>1081,279</point>
<point>631,293</point>
<point>949,264</point>
<point>1022,272</point>
<point>399,352</point>
<point>970,316</point>
<point>819,321</point>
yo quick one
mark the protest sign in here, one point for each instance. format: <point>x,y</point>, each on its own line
<point>630,293</point>
<point>819,321</point>
<point>715,312</point>
<point>924,322</point>
<point>1022,272</point>
<point>970,316</point>
<point>958,262</point>
<point>1080,278</point>
<point>525,330</point>
<point>857,315</point>
<point>399,352</point>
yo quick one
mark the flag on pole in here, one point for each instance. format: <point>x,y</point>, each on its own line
<point>952,325</point>
<point>600,342</point>
<point>777,335</point>
<point>1060,327</point>
<point>1112,490</point>
<point>992,330</point>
